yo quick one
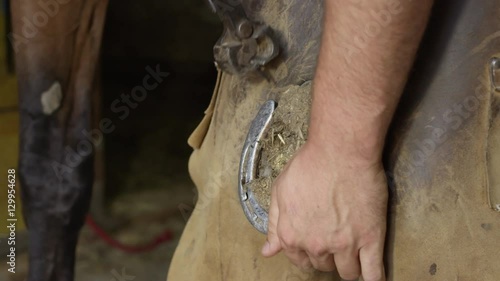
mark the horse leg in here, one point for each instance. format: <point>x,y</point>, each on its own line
<point>56,45</point>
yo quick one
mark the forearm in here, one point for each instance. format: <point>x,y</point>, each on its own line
<point>362,69</point>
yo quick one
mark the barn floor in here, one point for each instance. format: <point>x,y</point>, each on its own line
<point>150,216</point>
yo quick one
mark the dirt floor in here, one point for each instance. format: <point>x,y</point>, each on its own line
<point>152,212</point>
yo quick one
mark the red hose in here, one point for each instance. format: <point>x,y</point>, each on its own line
<point>162,238</point>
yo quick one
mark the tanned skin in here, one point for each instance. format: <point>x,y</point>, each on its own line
<point>329,205</point>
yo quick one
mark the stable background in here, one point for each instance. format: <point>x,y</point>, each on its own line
<point>146,188</point>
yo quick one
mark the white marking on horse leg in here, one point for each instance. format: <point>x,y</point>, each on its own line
<point>51,99</point>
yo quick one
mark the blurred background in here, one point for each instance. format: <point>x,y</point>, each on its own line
<point>144,189</point>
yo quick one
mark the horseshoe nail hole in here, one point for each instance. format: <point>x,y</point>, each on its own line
<point>244,196</point>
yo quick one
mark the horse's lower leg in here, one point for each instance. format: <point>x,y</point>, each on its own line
<point>56,65</point>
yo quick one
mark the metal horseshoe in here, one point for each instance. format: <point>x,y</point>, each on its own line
<point>254,212</point>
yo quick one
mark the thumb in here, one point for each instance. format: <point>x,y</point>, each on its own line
<point>273,244</point>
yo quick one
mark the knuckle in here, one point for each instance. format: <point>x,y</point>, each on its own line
<point>288,239</point>
<point>317,249</point>
<point>373,236</point>
<point>342,243</point>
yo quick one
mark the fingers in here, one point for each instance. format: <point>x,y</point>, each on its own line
<point>348,265</point>
<point>273,244</point>
<point>299,258</point>
<point>372,263</point>
<point>325,263</point>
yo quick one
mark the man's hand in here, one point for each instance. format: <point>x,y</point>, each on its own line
<point>330,215</point>
<point>328,207</point>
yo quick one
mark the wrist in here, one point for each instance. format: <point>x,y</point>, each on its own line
<point>337,149</point>
<point>356,138</point>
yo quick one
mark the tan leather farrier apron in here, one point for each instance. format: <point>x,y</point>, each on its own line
<point>442,153</point>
